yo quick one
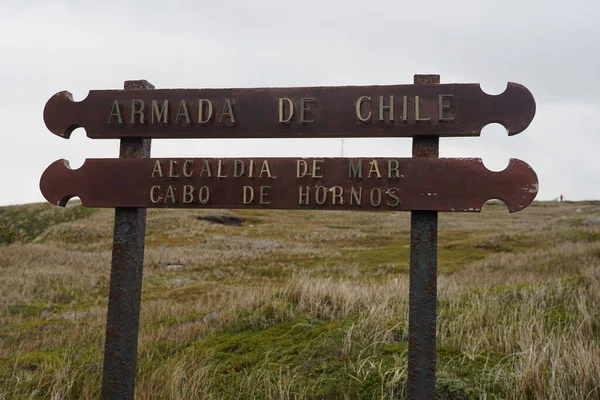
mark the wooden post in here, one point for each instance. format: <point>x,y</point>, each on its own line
<point>122,324</point>
<point>420,383</point>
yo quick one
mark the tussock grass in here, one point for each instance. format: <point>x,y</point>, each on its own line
<point>24,223</point>
<point>308,305</point>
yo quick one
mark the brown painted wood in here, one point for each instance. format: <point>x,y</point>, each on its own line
<point>443,184</point>
<point>256,112</point>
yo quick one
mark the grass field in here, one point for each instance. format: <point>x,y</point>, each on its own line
<point>305,305</point>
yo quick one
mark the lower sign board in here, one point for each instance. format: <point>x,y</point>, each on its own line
<point>387,184</point>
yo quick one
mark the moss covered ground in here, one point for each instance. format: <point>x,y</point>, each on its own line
<point>305,305</point>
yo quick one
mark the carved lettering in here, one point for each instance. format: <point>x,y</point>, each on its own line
<point>204,194</point>
<point>265,169</point>
<point>238,168</point>
<point>444,106</point>
<point>170,194</point>
<point>248,195</point>
<point>219,167</point>
<point>188,172</point>
<point>393,196</point>
<point>157,169</point>
<point>301,165</point>
<point>188,194</point>
<point>336,193</point>
<point>206,168</point>
<point>115,112</point>
<point>173,169</point>
<point>303,197</point>
<point>393,166</point>
<point>316,169</point>
<point>315,194</point>
<point>359,114</point>
<point>160,114</point>
<point>153,199</point>
<point>389,108</point>
<point>321,195</point>
<point>374,169</point>
<point>203,117</point>
<point>302,109</point>
<point>282,107</point>
<point>356,198</point>
<point>227,111</point>
<point>418,111</point>
<point>354,170</point>
<point>137,107</point>
<point>263,194</point>
<point>182,111</point>
<point>375,198</point>
<point>304,103</point>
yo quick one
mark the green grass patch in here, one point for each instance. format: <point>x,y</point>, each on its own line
<point>41,373</point>
<point>24,223</point>
<point>462,375</point>
<point>311,351</point>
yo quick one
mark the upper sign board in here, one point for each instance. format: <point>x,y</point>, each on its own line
<point>310,112</point>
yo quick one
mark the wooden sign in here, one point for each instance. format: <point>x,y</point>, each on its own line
<point>390,184</point>
<point>424,184</point>
<point>310,112</point>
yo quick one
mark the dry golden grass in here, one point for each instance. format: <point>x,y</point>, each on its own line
<point>296,305</point>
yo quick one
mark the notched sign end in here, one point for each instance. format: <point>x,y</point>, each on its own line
<point>527,104</point>
<point>53,188</point>
<point>521,184</point>
<point>514,108</point>
<point>59,114</point>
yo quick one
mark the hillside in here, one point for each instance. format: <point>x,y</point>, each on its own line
<point>304,304</point>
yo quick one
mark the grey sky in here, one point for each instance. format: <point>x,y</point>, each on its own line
<point>549,46</point>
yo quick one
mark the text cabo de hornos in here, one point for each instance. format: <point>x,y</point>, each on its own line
<point>191,182</point>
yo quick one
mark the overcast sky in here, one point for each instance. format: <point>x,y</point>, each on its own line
<point>551,47</point>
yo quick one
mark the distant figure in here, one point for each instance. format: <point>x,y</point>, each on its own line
<point>561,198</point>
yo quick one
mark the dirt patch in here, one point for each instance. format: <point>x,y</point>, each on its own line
<point>222,220</point>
